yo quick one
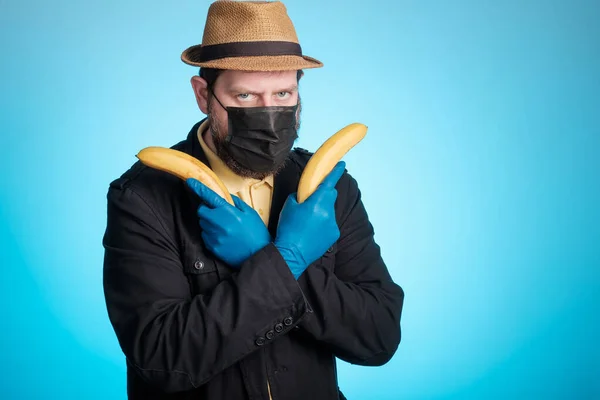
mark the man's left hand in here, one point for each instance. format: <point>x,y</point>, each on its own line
<point>233,234</point>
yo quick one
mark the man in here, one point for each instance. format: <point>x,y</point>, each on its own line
<point>256,300</point>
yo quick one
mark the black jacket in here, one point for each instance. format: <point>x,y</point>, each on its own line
<point>190,327</point>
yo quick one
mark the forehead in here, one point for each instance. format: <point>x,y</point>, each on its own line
<point>258,81</point>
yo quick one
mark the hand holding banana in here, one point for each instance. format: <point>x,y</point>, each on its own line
<point>306,230</point>
<point>233,231</point>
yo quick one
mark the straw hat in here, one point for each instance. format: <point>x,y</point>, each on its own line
<point>249,36</point>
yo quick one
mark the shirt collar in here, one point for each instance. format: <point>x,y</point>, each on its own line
<point>232,181</point>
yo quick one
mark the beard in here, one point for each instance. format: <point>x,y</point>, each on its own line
<point>219,135</point>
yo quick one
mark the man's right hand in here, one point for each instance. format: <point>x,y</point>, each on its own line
<point>305,231</point>
<point>233,234</point>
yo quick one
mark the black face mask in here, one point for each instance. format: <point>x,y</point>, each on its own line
<point>260,138</point>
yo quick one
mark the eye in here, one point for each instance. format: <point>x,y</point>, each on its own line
<point>243,96</point>
<point>283,95</point>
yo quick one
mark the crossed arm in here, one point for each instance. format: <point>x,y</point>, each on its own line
<point>161,326</point>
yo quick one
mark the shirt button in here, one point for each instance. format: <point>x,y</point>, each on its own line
<point>278,328</point>
<point>269,335</point>
<point>260,341</point>
<point>288,321</point>
<point>198,264</point>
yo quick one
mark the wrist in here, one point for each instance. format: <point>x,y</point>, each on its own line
<point>259,234</point>
<point>292,256</point>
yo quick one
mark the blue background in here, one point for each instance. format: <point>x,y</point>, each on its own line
<point>480,171</point>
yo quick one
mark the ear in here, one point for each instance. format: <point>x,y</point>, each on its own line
<point>201,92</point>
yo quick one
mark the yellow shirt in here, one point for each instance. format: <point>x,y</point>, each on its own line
<point>256,193</point>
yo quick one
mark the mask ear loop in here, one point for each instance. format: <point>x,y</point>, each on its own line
<point>215,96</point>
<point>218,101</point>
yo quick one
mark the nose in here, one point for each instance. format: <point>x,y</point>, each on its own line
<point>267,101</point>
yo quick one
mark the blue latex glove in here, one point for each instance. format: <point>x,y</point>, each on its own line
<point>305,231</point>
<point>231,233</point>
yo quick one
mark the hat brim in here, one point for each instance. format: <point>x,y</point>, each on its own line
<point>253,63</point>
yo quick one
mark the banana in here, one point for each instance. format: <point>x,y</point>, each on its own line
<point>183,166</point>
<point>327,156</point>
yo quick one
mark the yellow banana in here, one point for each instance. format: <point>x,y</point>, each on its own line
<point>327,156</point>
<point>183,166</point>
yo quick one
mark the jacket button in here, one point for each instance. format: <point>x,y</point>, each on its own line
<point>198,264</point>
<point>288,321</point>
<point>269,335</point>
<point>260,341</point>
<point>278,328</point>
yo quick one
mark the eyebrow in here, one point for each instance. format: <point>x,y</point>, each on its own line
<point>289,88</point>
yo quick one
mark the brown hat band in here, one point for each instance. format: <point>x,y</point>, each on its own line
<point>248,49</point>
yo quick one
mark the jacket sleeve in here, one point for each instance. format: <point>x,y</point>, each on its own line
<point>356,305</point>
<point>174,340</point>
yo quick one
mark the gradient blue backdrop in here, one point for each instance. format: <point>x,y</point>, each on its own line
<point>481,173</point>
